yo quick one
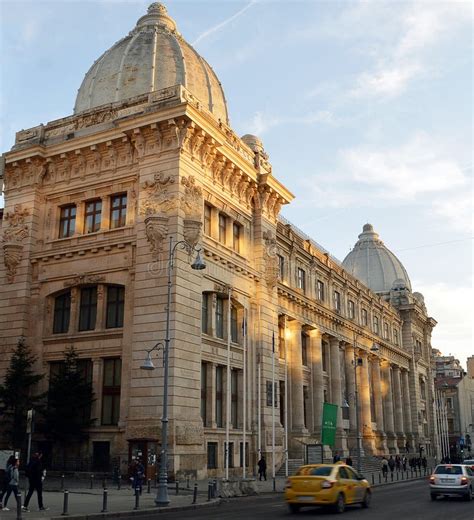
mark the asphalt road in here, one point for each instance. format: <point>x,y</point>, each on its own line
<point>408,501</point>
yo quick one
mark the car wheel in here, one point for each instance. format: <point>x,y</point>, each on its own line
<point>433,496</point>
<point>367,497</point>
<point>468,497</point>
<point>340,504</point>
<point>294,508</point>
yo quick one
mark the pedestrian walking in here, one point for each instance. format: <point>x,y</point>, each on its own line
<point>36,474</point>
<point>262,468</point>
<point>384,466</point>
<point>424,462</point>
<point>404,463</point>
<point>6,479</point>
<point>349,461</point>
<point>13,477</point>
<point>336,457</point>
<point>138,474</point>
<point>398,462</point>
<point>391,464</point>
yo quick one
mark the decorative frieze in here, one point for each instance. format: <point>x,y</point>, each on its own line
<point>84,279</point>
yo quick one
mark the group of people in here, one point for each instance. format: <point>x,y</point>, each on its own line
<point>35,473</point>
<point>401,463</point>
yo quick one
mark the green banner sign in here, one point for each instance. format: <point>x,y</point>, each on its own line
<point>328,432</point>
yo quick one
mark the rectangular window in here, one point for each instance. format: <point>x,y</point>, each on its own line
<point>320,290</point>
<point>269,394</point>
<point>304,349</point>
<point>92,216</point>
<point>88,308</point>
<point>219,396</point>
<point>205,313</point>
<point>281,267</point>
<point>385,330</point>
<point>234,398</point>
<point>220,317</point>
<point>282,403</point>
<point>281,341</point>
<point>62,313</point>
<point>337,301</point>
<point>305,405</point>
<point>351,309</point>
<point>111,391</point>
<point>234,334</point>
<point>231,454</point>
<point>207,219</point>
<point>247,458</point>
<point>118,211</point>
<point>115,306</point>
<point>301,279</point>
<point>236,229</point>
<point>364,317</point>
<point>376,324</point>
<point>222,228</point>
<point>204,393</point>
<point>212,455</point>
<point>395,336</point>
<point>67,221</point>
<point>324,351</point>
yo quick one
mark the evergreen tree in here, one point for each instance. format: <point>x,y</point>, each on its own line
<point>70,397</point>
<point>17,393</point>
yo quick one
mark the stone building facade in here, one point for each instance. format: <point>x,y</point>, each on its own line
<point>90,201</point>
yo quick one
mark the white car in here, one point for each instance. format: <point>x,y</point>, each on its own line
<point>452,479</point>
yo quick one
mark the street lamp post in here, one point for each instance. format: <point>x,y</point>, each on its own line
<point>162,498</point>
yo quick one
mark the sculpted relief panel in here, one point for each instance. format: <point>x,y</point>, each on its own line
<point>15,233</point>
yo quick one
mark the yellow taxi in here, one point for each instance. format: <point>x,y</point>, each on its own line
<point>335,485</point>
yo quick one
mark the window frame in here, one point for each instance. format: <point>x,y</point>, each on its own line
<point>207,225</point>
<point>69,219</point>
<point>118,303</point>
<point>64,311</point>
<point>351,309</point>
<point>121,209</point>
<point>89,307</point>
<point>320,290</point>
<point>337,301</point>
<point>92,216</point>
<point>222,228</point>
<point>301,279</point>
<point>236,237</point>
<point>219,311</point>
<point>112,391</point>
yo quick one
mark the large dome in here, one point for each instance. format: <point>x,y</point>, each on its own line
<point>375,265</point>
<point>152,57</point>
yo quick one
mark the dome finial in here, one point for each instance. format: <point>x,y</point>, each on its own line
<point>157,15</point>
<point>157,8</point>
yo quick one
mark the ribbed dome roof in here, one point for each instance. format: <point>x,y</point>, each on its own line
<point>152,57</point>
<point>373,264</point>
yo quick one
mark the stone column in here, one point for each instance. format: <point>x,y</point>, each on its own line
<point>350,380</point>
<point>97,383</point>
<point>317,378</point>
<point>398,406</point>
<point>75,307</point>
<point>211,395</point>
<point>336,394</point>
<point>406,406</point>
<point>296,378</point>
<point>388,407</point>
<point>366,416</point>
<point>101,311</point>
<point>377,384</point>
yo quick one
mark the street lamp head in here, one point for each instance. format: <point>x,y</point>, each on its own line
<point>345,404</point>
<point>148,363</point>
<point>374,348</point>
<point>198,264</point>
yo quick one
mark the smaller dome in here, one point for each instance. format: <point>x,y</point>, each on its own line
<point>253,142</point>
<point>399,285</point>
<point>419,297</point>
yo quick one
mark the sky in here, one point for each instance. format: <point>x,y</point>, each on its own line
<point>365,109</point>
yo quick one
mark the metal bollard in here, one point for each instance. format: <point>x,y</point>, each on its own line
<point>380,478</point>
<point>209,490</point>
<point>187,482</point>
<point>62,482</point>
<point>18,506</point>
<point>195,493</point>
<point>373,479</point>
<point>397,475</point>
<point>104,501</point>
<point>92,481</point>
<point>104,483</point>
<point>65,503</point>
<point>148,486</point>
<point>177,487</point>
<point>214,489</point>
<point>137,498</point>
<point>119,481</point>
<point>391,475</point>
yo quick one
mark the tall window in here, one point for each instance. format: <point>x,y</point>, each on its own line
<point>118,211</point>
<point>115,306</point>
<point>385,330</point>
<point>304,349</point>
<point>337,301</point>
<point>395,336</point>
<point>222,228</point>
<point>234,398</point>
<point>236,232</point>
<point>220,317</point>
<point>282,403</point>
<point>204,393</point>
<point>207,219</point>
<point>234,328</point>
<point>219,396</point>
<point>364,317</point>
<point>62,313</point>
<point>305,405</point>
<point>211,455</point>
<point>281,341</point>
<point>247,458</point>
<point>269,394</point>
<point>67,221</point>
<point>92,216</point>
<point>376,324</point>
<point>88,308</point>
<point>301,279</point>
<point>324,351</point>
<point>205,313</point>
<point>320,290</point>
<point>111,391</point>
<point>351,309</point>
<point>281,267</point>
<point>231,454</point>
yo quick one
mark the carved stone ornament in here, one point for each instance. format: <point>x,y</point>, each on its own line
<point>157,197</point>
<point>95,119</point>
<point>15,233</point>
<point>156,228</point>
<point>192,231</point>
<point>271,259</point>
<point>192,199</point>
<point>83,279</point>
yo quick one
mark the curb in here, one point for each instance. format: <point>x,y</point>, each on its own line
<point>140,512</point>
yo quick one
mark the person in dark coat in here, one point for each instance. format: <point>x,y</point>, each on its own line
<point>349,461</point>
<point>336,457</point>
<point>391,464</point>
<point>262,468</point>
<point>35,473</point>
<point>13,480</point>
<point>6,478</point>
<point>138,475</point>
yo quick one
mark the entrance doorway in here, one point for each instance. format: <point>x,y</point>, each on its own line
<point>101,456</point>
<point>146,450</point>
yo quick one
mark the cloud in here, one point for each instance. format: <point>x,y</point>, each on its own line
<point>456,210</point>
<point>221,25</point>
<point>262,122</point>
